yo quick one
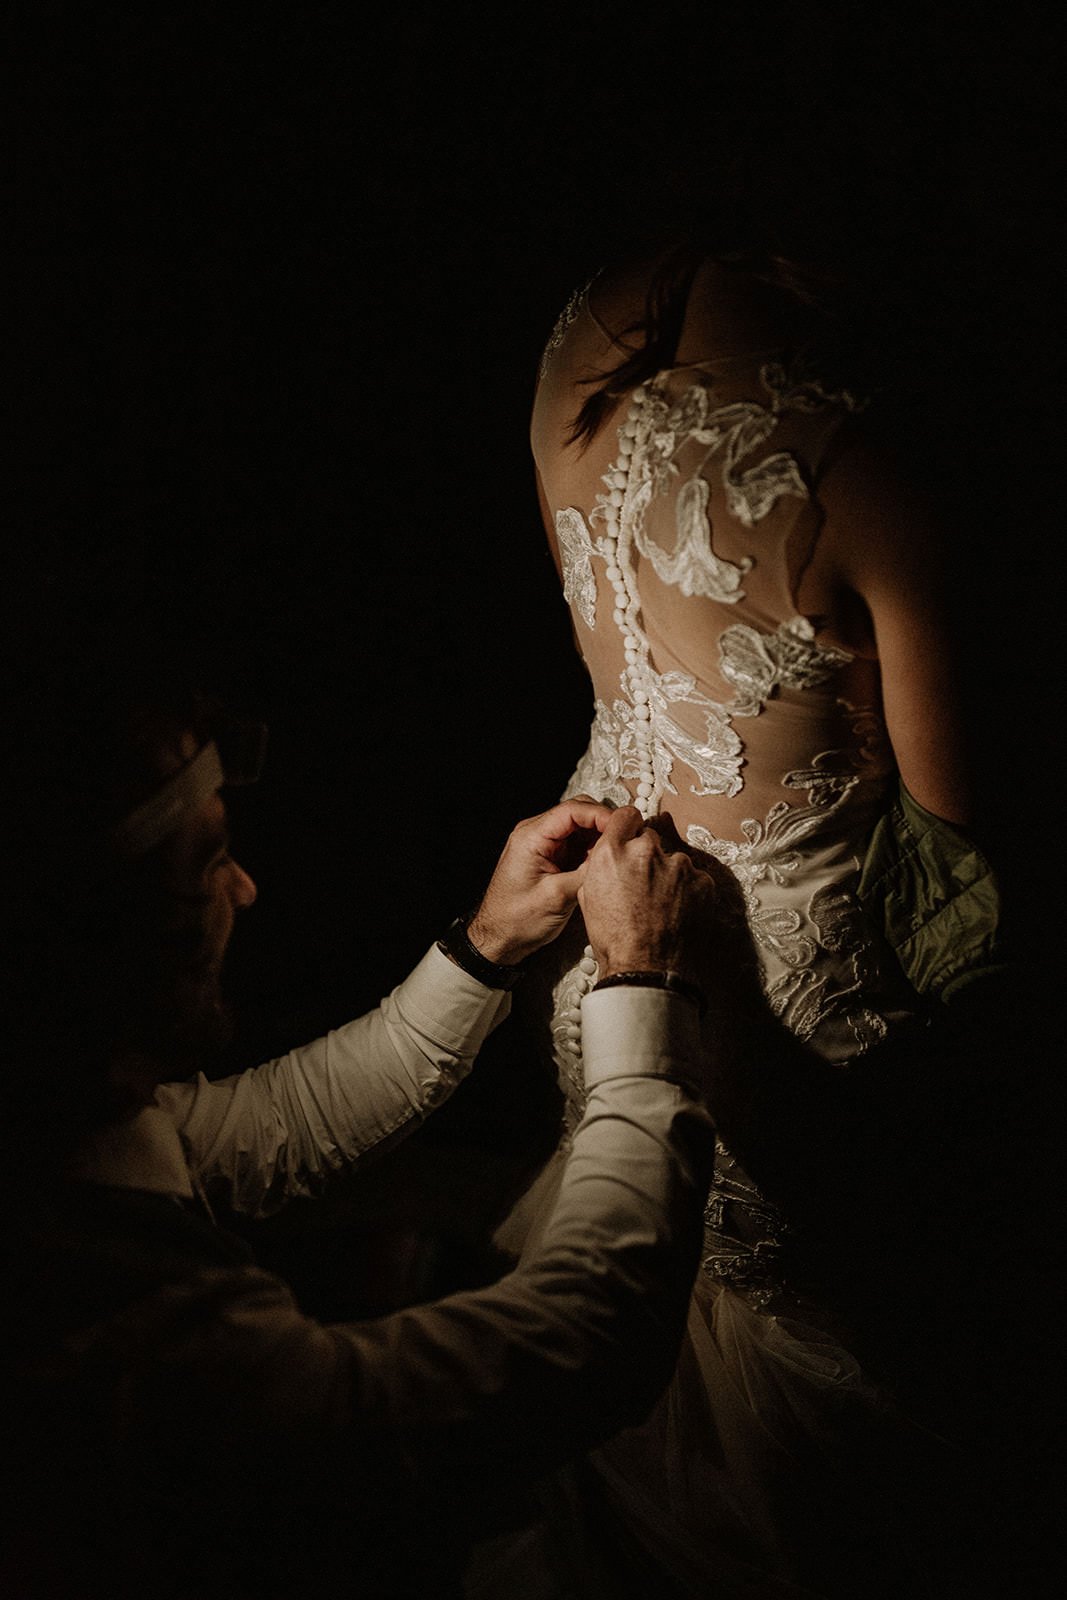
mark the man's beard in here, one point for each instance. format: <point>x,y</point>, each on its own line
<point>195,1024</point>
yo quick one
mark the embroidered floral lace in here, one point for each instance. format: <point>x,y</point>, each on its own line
<point>683,531</point>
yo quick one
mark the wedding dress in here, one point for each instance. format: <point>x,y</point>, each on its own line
<point>773,1465</point>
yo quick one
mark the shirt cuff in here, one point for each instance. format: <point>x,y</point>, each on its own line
<point>639,1033</point>
<point>452,1006</point>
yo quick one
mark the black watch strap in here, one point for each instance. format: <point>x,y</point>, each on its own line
<point>456,943</point>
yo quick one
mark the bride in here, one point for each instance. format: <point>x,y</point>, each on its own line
<point>754,590</point>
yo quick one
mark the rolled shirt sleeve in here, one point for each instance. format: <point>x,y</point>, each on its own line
<point>221,1418</point>
<point>278,1131</point>
<point>573,1344</point>
<point>578,1340</point>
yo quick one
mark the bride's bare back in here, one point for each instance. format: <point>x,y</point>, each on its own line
<point>752,590</point>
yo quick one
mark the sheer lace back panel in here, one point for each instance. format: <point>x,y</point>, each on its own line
<point>683,532</point>
<point>712,472</point>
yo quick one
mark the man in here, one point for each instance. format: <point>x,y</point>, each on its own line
<point>183,1429</point>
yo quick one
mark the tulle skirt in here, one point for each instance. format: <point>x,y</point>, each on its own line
<point>772,1466</point>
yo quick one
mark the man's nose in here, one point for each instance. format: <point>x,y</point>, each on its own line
<point>242,887</point>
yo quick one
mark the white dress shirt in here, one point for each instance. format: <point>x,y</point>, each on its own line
<point>489,1385</point>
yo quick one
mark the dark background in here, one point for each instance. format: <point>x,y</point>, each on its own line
<point>284,281</point>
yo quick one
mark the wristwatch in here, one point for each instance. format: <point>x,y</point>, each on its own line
<point>494,974</point>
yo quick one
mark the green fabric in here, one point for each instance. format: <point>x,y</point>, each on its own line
<point>934,894</point>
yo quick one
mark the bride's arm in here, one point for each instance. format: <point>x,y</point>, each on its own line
<point>882,565</point>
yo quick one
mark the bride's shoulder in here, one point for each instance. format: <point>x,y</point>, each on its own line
<point>719,309</point>
<point>617,299</point>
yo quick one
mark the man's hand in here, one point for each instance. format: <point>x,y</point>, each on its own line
<point>534,889</point>
<point>649,907</point>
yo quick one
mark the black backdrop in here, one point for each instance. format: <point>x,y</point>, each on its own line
<point>286,281</point>
<point>284,302</point>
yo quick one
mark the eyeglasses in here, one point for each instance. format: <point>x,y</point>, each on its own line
<point>234,756</point>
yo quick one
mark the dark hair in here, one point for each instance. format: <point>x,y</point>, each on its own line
<point>834,300</point>
<point>658,332</point>
<point>816,149</point>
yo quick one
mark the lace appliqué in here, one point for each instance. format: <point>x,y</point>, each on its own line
<point>715,758</point>
<point>745,1236</point>
<point>576,550</point>
<point>692,566</point>
<point>615,748</point>
<point>801,950</point>
<point>600,771</point>
<point>754,664</point>
<point>797,388</point>
<point>568,315</point>
<point>810,1001</point>
<point>736,431</point>
<point>654,431</point>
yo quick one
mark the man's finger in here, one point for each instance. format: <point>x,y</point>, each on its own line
<point>624,824</point>
<point>663,824</point>
<point>567,884</point>
<point>572,815</point>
